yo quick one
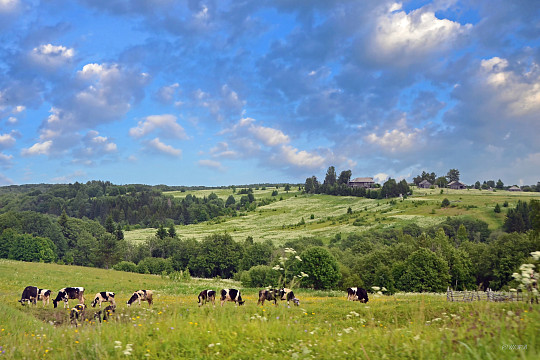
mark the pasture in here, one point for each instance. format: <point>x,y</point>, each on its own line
<point>323,216</point>
<point>324,326</point>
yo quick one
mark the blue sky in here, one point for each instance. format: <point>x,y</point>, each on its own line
<point>236,92</point>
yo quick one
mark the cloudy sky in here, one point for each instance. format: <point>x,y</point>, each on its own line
<point>220,92</point>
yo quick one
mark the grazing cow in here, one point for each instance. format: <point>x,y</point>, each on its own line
<point>207,296</point>
<point>357,294</point>
<point>69,293</point>
<point>106,313</point>
<point>103,296</point>
<point>30,294</point>
<point>287,294</point>
<point>77,313</point>
<point>231,295</point>
<point>44,295</point>
<point>270,295</point>
<point>144,295</point>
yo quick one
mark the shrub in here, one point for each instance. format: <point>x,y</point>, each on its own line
<point>260,276</point>
<point>445,203</point>
<point>151,265</point>
<point>322,268</point>
<point>127,266</point>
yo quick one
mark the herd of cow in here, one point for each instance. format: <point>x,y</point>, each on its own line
<point>31,294</point>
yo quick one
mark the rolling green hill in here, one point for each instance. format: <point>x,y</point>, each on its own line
<point>305,215</point>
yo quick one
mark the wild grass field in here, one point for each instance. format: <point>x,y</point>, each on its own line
<point>306,215</point>
<point>324,326</point>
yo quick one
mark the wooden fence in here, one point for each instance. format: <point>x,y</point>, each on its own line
<point>487,295</point>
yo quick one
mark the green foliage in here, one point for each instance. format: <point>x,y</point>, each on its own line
<point>157,266</point>
<point>322,268</point>
<point>518,219</point>
<point>445,203</point>
<point>452,175</point>
<point>497,208</point>
<point>26,247</point>
<point>127,266</point>
<point>261,276</point>
<point>425,272</point>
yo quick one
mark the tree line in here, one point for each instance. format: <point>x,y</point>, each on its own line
<point>129,205</point>
<point>339,186</point>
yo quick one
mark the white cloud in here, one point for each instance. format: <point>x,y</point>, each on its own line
<point>302,158</point>
<point>69,177</point>
<point>222,150</point>
<point>519,91</point>
<point>166,124</point>
<point>7,6</point>
<point>397,140</point>
<point>6,140</point>
<point>18,109</point>
<point>404,39</point>
<point>164,148</point>
<point>166,94</point>
<point>380,177</point>
<point>43,148</point>
<point>211,164</point>
<point>4,180</point>
<point>52,55</point>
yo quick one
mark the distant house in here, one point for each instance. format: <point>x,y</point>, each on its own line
<point>425,184</point>
<point>457,185</point>
<point>365,182</point>
<point>514,188</point>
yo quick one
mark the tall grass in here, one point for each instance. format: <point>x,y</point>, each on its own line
<point>324,326</point>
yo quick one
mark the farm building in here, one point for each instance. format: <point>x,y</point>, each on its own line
<point>424,184</point>
<point>514,188</point>
<point>457,185</point>
<point>365,182</point>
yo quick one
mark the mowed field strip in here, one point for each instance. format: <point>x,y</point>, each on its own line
<point>279,221</point>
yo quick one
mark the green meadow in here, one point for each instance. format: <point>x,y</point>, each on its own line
<point>294,215</point>
<point>324,326</point>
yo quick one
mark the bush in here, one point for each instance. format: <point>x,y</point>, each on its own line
<point>260,276</point>
<point>445,203</point>
<point>322,268</point>
<point>127,266</point>
<point>151,265</point>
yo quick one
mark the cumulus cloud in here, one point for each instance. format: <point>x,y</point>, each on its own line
<point>519,91</point>
<point>402,38</point>
<point>7,140</point>
<point>163,148</point>
<point>165,124</point>
<point>222,150</point>
<point>42,148</point>
<point>395,140</point>
<point>49,55</point>
<point>300,158</point>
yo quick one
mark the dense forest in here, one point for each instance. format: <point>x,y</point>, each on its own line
<point>83,224</point>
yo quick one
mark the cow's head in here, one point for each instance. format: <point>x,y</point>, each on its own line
<point>241,302</point>
<point>133,298</point>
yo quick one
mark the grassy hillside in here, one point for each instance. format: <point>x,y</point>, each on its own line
<point>281,221</point>
<point>325,326</point>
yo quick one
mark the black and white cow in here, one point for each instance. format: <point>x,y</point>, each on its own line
<point>77,313</point>
<point>30,294</point>
<point>144,295</point>
<point>103,296</point>
<point>287,294</point>
<point>106,313</point>
<point>268,294</point>
<point>357,294</point>
<point>207,296</point>
<point>44,295</point>
<point>231,295</point>
<point>69,293</point>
